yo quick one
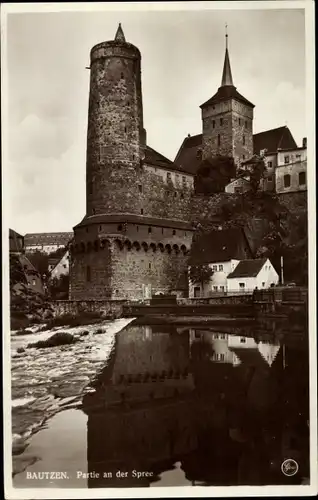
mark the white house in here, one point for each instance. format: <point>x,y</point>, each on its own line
<point>62,266</point>
<point>222,251</point>
<point>251,274</point>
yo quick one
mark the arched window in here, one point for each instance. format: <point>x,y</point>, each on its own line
<point>286,180</point>
<point>302,178</point>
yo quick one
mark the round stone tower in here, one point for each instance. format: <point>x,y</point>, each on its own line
<point>116,137</point>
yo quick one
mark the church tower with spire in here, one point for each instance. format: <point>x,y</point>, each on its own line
<point>227,120</point>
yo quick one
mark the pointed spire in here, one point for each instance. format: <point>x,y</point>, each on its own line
<point>120,37</point>
<point>227,74</point>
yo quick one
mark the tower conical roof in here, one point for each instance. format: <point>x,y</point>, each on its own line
<point>227,74</point>
<point>120,37</point>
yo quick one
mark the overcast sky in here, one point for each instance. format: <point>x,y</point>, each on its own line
<point>182,59</point>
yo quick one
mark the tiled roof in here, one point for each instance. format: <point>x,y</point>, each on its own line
<point>156,159</point>
<point>47,238</point>
<point>224,93</point>
<point>188,159</point>
<point>247,268</point>
<point>274,139</point>
<point>220,246</point>
<point>134,219</point>
<point>15,241</point>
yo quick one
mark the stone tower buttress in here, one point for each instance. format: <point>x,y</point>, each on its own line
<point>227,120</point>
<point>115,137</point>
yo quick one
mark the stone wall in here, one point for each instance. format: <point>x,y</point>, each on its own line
<point>295,202</point>
<point>158,270</point>
<point>106,308</point>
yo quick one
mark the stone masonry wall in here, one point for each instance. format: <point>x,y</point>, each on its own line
<point>161,271</point>
<point>90,274</point>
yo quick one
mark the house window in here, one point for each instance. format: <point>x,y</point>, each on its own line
<point>88,273</point>
<point>174,232</point>
<point>215,288</point>
<point>222,288</point>
<point>100,228</point>
<point>184,179</point>
<point>219,140</point>
<point>222,357</point>
<point>302,178</point>
<point>140,188</point>
<point>270,178</point>
<point>149,229</point>
<point>243,157</point>
<point>242,285</point>
<point>286,180</point>
<point>213,123</point>
<point>149,265</point>
<point>286,159</point>
<point>64,265</point>
<point>33,282</point>
<point>168,176</point>
<point>263,284</point>
<point>221,121</point>
<point>243,340</point>
<point>239,121</point>
<point>221,267</point>
<point>298,157</point>
<point>121,75</point>
<point>162,231</point>
<point>196,291</point>
<point>270,164</point>
<point>175,194</point>
<point>237,190</point>
<point>243,140</point>
<point>214,268</point>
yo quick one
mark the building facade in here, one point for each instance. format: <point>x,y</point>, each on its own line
<point>135,236</point>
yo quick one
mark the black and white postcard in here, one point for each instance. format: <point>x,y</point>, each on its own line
<point>158,169</point>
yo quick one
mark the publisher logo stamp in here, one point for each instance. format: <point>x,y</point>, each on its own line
<point>289,467</point>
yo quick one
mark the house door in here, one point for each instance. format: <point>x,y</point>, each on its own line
<point>197,291</point>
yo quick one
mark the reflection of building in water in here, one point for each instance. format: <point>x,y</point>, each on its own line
<point>144,418</point>
<point>235,349</point>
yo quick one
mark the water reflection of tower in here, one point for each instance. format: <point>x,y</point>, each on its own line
<point>141,417</point>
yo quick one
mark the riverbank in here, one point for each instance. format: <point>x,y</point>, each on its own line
<point>45,381</point>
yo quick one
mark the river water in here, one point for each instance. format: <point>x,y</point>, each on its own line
<point>163,405</point>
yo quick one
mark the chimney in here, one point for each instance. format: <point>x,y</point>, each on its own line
<point>304,142</point>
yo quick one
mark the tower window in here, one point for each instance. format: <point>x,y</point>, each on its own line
<point>174,232</point>
<point>286,180</point>
<point>119,227</point>
<point>243,140</point>
<point>137,228</point>
<point>149,230</point>
<point>140,188</point>
<point>302,178</point>
<point>88,273</point>
<point>125,129</point>
<point>141,211</point>
<point>219,140</point>
<point>221,121</point>
<point>100,228</point>
<point>213,123</point>
<point>149,265</point>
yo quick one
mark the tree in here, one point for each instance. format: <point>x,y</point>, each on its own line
<point>214,174</point>
<point>59,287</point>
<point>199,274</point>
<point>253,171</point>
